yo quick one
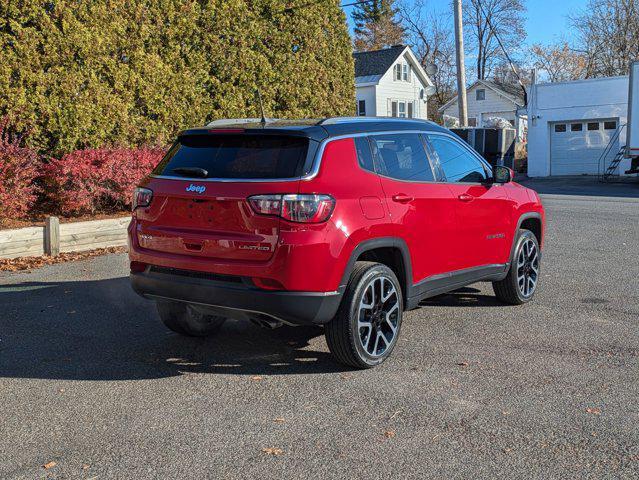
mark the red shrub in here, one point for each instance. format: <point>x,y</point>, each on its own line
<point>19,167</point>
<point>100,180</point>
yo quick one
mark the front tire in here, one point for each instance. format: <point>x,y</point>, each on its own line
<point>182,318</point>
<point>520,284</point>
<point>367,324</point>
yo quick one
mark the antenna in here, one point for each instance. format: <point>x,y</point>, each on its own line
<point>259,99</point>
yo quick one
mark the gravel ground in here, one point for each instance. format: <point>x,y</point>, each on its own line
<point>90,379</point>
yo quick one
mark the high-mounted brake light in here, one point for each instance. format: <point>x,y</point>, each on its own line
<point>142,197</point>
<point>226,130</point>
<point>295,208</point>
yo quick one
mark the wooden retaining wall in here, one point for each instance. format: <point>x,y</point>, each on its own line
<point>22,242</point>
<point>63,237</point>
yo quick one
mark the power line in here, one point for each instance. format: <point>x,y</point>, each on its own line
<point>510,62</point>
<point>311,4</point>
<point>356,3</point>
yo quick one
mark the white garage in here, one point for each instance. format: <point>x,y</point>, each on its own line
<point>571,123</point>
<point>577,146</point>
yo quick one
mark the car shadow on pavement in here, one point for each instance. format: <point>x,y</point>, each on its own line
<point>463,297</point>
<point>101,330</point>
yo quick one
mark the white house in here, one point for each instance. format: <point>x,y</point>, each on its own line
<point>572,123</point>
<point>490,99</point>
<point>391,83</point>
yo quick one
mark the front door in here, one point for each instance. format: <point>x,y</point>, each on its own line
<point>483,210</point>
<point>417,203</point>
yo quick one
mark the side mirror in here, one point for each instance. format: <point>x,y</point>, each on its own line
<point>502,174</point>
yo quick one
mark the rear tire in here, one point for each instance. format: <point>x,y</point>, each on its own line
<point>367,324</point>
<point>182,318</point>
<point>520,284</point>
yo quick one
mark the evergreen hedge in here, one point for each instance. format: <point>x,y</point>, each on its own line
<point>103,73</point>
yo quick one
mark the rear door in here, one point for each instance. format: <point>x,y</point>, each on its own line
<point>417,203</point>
<point>483,210</point>
<point>200,192</point>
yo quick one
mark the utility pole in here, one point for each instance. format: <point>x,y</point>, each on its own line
<point>461,68</point>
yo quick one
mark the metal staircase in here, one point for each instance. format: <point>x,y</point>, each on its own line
<point>612,167</point>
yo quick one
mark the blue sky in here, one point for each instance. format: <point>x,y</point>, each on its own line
<point>547,19</point>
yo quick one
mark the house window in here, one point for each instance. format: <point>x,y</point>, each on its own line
<point>394,108</point>
<point>610,125</point>
<point>397,71</point>
<point>512,123</point>
<point>472,122</point>
<point>576,127</point>
<point>361,108</point>
<point>480,94</point>
<point>560,128</point>
<point>406,73</point>
<point>410,110</point>
<point>593,126</point>
<point>402,109</point>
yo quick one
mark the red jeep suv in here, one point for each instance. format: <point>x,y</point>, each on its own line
<point>344,222</point>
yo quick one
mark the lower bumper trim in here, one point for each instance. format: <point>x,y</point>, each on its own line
<point>237,300</point>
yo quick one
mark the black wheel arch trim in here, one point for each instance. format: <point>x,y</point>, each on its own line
<point>382,242</point>
<point>522,219</point>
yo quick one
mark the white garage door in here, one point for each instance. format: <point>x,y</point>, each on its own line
<point>575,147</point>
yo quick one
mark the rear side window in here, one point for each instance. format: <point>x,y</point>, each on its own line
<point>364,155</point>
<point>402,156</point>
<point>237,156</point>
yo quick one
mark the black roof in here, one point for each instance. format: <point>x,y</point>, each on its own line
<point>376,62</point>
<point>319,129</point>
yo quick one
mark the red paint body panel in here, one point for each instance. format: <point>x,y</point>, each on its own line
<point>485,223</point>
<point>424,216</point>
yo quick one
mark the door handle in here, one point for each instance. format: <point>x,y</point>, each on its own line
<point>402,198</point>
<point>465,197</point>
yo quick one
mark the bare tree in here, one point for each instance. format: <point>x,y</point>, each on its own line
<point>506,18</point>
<point>503,73</point>
<point>559,63</point>
<point>430,35</point>
<point>608,36</point>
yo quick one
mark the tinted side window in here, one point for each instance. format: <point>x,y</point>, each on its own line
<point>364,154</point>
<point>458,163</point>
<point>402,156</point>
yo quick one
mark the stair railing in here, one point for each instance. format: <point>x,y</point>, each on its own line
<point>601,169</point>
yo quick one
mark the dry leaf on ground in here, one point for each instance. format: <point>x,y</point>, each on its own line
<point>49,465</point>
<point>389,433</point>
<point>29,263</point>
<point>273,451</point>
<point>594,411</point>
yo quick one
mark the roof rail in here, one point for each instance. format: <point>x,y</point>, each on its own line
<point>237,121</point>
<point>338,120</point>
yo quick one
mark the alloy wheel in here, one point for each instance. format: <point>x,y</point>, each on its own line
<point>378,316</point>
<point>527,267</point>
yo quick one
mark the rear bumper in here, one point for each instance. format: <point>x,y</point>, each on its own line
<point>238,299</point>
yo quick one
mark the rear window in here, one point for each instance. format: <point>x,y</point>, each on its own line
<point>237,156</point>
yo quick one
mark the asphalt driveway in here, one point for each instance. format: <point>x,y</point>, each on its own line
<point>91,381</point>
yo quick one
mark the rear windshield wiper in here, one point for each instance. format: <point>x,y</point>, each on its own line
<point>191,172</point>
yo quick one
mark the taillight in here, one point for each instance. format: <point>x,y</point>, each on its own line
<point>307,208</point>
<point>266,204</point>
<point>142,197</point>
<point>294,208</point>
